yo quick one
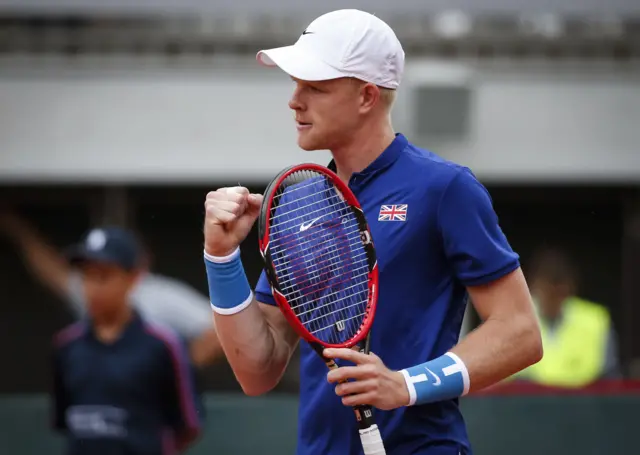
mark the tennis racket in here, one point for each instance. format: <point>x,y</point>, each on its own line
<point>321,264</point>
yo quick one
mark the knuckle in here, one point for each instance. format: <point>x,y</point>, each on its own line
<point>235,197</point>
<point>371,370</point>
<point>220,194</point>
<point>235,191</point>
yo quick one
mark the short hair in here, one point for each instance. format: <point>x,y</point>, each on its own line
<point>553,265</point>
<point>388,96</point>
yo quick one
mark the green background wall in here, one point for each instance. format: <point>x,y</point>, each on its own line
<point>536,425</point>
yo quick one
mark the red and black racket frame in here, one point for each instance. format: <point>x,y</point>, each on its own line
<point>363,413</point>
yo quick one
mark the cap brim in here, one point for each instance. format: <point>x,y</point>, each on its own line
<point>298,63</point>
<point>78,254</point>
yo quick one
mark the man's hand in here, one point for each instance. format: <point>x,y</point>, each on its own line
<point>230,214</point>
<point>373,383</point>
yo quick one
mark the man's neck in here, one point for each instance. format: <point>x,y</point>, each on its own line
<point>108,328</point>
<point>361,151</point>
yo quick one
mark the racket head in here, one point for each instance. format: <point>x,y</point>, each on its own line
<point>319,256</point>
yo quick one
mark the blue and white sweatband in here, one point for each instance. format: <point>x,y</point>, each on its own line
<point>439,379</point>
<point>229,290</point>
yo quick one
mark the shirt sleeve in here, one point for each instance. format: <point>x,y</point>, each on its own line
<point>59,398</point>
<point>183,404</point>
<point>174,304</point>
<point>474,243</point>
<point>263,290</point>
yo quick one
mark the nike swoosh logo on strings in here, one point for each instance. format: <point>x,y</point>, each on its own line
<point>308,224</point>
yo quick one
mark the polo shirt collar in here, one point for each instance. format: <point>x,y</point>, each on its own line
<point>384,160</point>
<point>134,325</point>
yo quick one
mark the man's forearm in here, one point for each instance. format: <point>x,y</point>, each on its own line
<point>498,349</point>
<point>254,350</point>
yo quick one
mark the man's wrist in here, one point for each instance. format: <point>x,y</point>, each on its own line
<point>217,255</point>
<point>224,258</point>
<point>443,378</point>
<point>403,396</point>
<point>229,290</point>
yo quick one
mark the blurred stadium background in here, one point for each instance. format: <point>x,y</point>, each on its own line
<point>130,111</point>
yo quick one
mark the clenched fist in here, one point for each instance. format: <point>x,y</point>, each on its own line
<point>230,214</point>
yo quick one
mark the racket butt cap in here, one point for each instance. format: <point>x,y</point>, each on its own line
<point>372,441</point>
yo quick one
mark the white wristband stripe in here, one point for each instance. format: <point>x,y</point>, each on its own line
<point>459,367</point>
<point>413,396</point>
<point>222,259</point>
<point>235,309</point>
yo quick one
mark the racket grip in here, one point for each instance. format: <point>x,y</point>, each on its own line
<point>372,441</point>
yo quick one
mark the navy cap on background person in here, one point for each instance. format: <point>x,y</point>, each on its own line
<point>108,245</point>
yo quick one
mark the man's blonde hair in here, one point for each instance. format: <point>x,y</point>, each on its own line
<point>387,95</point>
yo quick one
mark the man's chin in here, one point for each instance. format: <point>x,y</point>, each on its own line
<point>309,146</point>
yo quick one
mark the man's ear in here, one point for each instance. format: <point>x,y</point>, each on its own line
<point>369,97</point>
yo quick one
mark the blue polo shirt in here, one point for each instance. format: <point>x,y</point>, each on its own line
<point>134,396</point>
<point>435,232</point>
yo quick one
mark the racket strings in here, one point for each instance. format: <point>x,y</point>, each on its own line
<point>364,270</point>
<point>336,293</point>
<point>292,186</point>
<point>324,262</point>
<point>310,204</point>
<point>322,268</point>
<point>294,238</point>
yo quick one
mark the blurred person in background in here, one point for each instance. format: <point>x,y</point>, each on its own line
<point>578,337</point>
<point>158,298</point>
<point>121,385</point>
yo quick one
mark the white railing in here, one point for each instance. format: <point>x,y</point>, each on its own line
<point>447,34</point>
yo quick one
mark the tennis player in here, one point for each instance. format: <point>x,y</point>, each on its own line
<point>438,242</point>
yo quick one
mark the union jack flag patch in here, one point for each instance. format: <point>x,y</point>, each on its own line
<point>396,212</point>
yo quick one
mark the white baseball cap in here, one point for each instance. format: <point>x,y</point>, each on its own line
<point>343,43</point>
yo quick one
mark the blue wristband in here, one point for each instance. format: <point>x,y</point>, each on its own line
<point>229,290</point>
<point>439,379</point>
